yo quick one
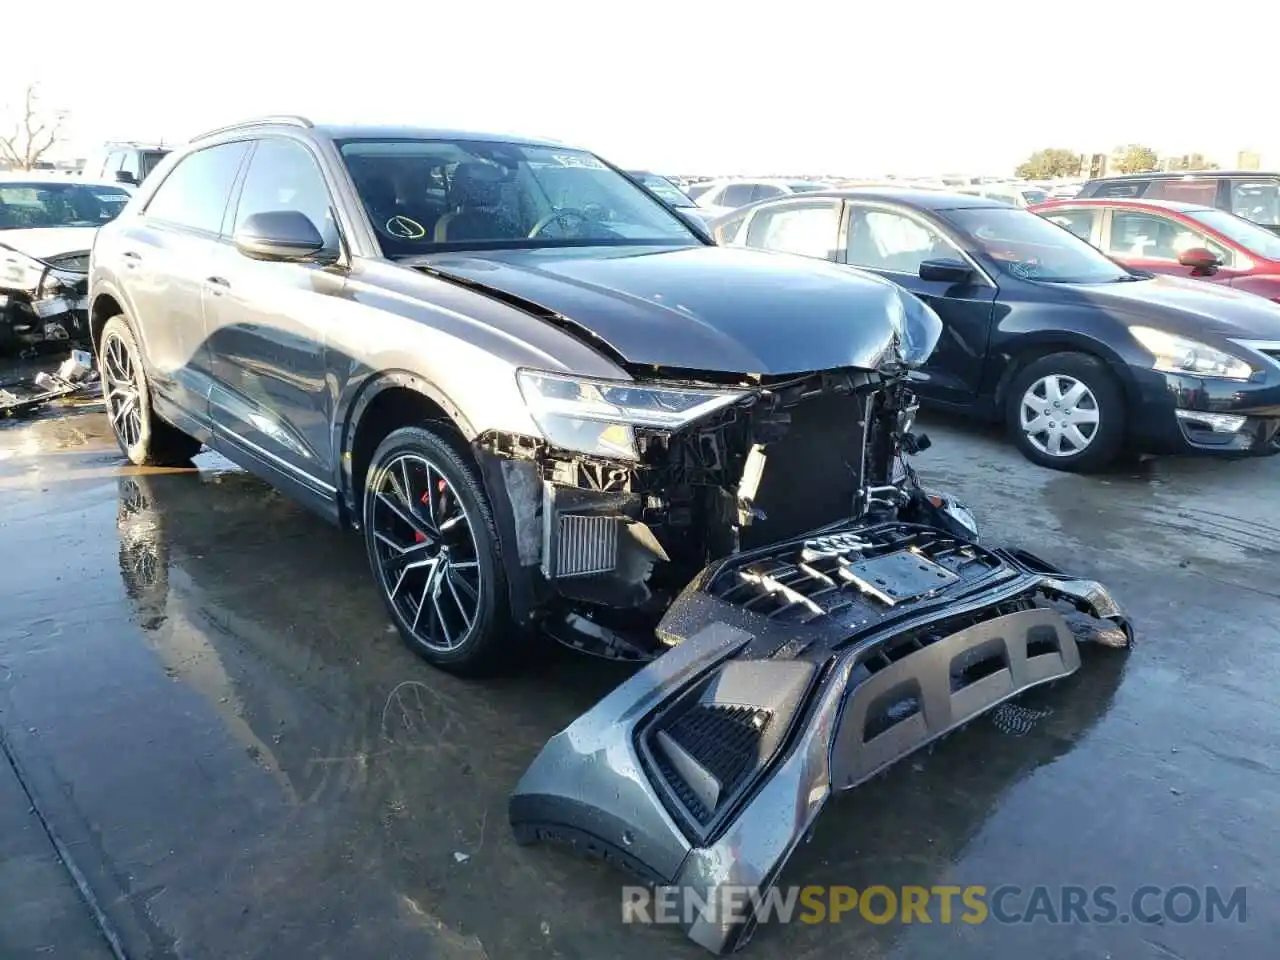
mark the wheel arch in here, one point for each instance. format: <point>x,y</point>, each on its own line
<point>1029,348</point>
<point>386,401</point>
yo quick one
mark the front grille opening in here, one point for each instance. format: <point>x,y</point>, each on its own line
<point>978,664</point>
<point>724,740</point>
<point>891,709</point>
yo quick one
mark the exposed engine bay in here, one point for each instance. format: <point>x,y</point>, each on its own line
<point>605,542</point>
<point>43,300</point>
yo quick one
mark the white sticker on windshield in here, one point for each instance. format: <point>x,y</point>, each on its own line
<point>577,160</point>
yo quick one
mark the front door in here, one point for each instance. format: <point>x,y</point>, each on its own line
<point>893,242</point>
<point>1151,241</point>
<point>271,400</point>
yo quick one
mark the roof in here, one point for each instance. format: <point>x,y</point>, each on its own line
<point>380,132</point>
<point>920,198</point>
<point>1179,174</point>
<point>51,176</point>
<point>1175,206</point>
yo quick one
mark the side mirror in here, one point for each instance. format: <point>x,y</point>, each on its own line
<point>1199,259</point>
<point>283,235</point>
<point>124,176</point>
<point>945,271</point>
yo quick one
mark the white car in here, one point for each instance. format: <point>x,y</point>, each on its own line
<point>732,194</point>
<point>1016,194</point>
<point>47,225</point>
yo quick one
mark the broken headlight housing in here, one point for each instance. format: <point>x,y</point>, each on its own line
<point>597,417</point>
<point>1175,354</point>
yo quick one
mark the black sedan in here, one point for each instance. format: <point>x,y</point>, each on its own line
<point>1082,358</point>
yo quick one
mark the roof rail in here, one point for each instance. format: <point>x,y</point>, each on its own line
<point>287,119</point>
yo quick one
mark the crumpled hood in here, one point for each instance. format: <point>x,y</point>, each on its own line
<point>1189,308</point>
<point>711,308</point>
<point>44,243</point>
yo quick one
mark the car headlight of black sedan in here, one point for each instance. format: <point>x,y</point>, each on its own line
<point>1177,354</point>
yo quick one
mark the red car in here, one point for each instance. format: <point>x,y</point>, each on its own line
<point>1182,239</point>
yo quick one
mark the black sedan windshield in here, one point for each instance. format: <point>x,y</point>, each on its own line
<point>429,195</point>
<point>1029,247</point>
<point>39,203</point>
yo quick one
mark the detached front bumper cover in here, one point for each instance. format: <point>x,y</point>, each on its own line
<point>799,670</point>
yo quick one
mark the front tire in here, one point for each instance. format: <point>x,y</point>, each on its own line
<point>145,439</point>
<point>1066,411</point>
<point>433,547</point>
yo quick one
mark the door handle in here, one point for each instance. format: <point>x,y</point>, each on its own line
<point>133,257</point>
<point>218,282</point>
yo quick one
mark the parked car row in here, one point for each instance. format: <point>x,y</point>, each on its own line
<point>1250,194</point>
<point>1082,358</point>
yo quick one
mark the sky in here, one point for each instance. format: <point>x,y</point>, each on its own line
<point>697,86</point>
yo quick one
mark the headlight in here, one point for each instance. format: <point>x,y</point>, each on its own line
<point>1175,354</point>
<point>597,416</point>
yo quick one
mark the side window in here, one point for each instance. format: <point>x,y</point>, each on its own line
<point>1079,222</point>
<point>737,194</point>
<point>1122,189</point>
<point>129,164</point>
<point>884,240</point>
<point>283,176</point>
<point>196,191</point>
<point>809,229</point>
<point>113,162</point>
<point>1146,236</point>
<point>765,191</point>
<point>1257,200</point>
<point>1204,192</point>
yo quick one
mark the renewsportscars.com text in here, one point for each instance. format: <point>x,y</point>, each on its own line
<point>945,904</point>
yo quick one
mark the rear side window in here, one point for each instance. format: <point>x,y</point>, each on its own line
<point>196,191</point>
<point>1079,222</point>
<point>1121,189</point>
<point>283,176</point>
<point>1203,192</point>
<point>737,194</point>
<point>809,229</point>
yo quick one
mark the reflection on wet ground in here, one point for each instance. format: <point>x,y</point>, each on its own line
<point>210,707</point>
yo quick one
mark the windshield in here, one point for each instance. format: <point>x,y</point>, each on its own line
<point>52,204</point>
<point>428,195</point>
<point>1026,246</point>
<point>1252,237</point>
<point>665,189</point>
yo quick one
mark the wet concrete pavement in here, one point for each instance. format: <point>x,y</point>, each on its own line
<point>206,701</point>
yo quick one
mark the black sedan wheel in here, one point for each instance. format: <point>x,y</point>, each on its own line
<point>1066,411</point>
<point>434,551</point>
<point>143,436</point>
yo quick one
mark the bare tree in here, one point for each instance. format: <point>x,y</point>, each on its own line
<point>35,132</point>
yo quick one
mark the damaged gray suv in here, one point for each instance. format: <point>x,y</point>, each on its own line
<point>553,408</point>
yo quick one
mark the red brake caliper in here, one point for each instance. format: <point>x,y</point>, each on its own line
<point>418,535</point>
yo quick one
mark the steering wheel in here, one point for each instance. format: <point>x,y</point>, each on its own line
<point>560,216</point>
<point>404,228</point>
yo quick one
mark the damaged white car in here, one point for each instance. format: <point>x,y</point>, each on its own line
<point>47,225</point>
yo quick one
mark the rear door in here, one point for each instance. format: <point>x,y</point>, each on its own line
<point>1151,241</point>
<point>165,255</point>
<point>893,242</point>
<point>271,398</point>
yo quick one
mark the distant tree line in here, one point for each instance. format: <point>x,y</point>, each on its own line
<point>1054,162</point>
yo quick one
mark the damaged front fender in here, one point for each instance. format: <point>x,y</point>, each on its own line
<point>796,671</point>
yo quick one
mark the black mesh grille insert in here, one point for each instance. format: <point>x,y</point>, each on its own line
<point>723,739</point>
<point>805,584</point>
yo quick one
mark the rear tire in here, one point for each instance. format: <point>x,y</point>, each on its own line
<point>1066,411</point>
<point>145,439</point>
<point>433,549</point>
